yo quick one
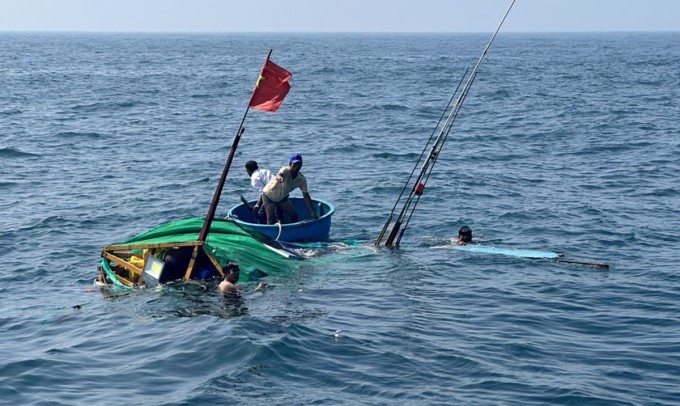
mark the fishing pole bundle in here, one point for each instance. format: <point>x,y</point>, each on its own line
<point>417,188</point>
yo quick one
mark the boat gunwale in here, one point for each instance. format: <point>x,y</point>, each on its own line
<point>330,212</point>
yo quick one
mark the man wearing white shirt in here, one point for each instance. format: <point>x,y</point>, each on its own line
<point>258,179</point>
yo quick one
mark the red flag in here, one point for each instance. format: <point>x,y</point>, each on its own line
<point>271,87</point>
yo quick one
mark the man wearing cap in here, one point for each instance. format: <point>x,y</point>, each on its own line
<point>275,193</point>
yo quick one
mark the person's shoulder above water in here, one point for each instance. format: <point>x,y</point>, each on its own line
<point>228,286</point>
<point>231,274</point>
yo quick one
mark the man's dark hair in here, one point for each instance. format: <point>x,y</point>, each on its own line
<point>251,166</point>
<point>231,267</point>
<point>465,233</point>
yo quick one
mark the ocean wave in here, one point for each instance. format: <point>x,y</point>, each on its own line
<point>107,106</point>
<point>10,112</point>
<point>74,134</point>
<point>393,107</point>
<point>325,70</point>
<point>411,156</point>
<point>50,222</point>
<point>11,152</point>
<point>6,185</point>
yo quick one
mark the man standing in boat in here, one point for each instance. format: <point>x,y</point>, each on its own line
<point>275,193</point>
<point>258,180</point>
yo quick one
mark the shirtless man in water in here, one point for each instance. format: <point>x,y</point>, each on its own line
<point>231,274</point>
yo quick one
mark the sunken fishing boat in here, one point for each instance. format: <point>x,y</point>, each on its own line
<point>201,248</point>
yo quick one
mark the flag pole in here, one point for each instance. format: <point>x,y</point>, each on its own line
<point>218,191</point>
<point>203,235</point>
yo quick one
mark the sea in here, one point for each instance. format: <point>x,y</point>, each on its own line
<point>566,142</point>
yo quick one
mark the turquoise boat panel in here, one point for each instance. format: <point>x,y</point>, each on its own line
<point>520,253</point>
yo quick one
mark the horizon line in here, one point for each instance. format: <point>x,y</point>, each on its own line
<point>325,32</point>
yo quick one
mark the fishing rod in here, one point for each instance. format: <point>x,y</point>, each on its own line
<point>419,186</point>
<point>434,131</point>
<point>419,193</point>
<point>403,230</point>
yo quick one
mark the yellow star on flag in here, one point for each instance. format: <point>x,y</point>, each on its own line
<point>258,81</point>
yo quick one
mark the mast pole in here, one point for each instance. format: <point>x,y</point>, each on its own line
<point>203,235</point>
<point>220,185</point>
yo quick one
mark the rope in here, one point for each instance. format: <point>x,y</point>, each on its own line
<point>280,229</point>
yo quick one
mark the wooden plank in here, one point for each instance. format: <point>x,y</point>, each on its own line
<point>128,247</point>
<point>103,275</point>
<point>214,262</point>
<point>192,262</point>
<point>128,266</point>
<point>125,281</point>
<point>128,254</point>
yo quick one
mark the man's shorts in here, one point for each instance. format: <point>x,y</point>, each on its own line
<point>267,200</point>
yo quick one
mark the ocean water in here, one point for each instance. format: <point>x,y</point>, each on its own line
<point>567,143</point>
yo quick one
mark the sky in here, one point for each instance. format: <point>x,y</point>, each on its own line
<point>338,15</point>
